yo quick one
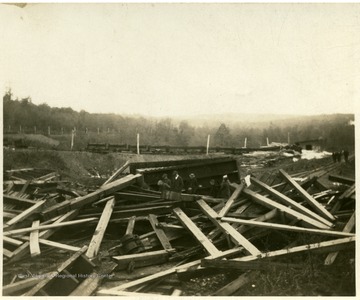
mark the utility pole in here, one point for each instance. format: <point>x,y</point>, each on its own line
<point>207,145</point>
<point>138,143</point>
<point>72,137</point>
<point>288,138</point>
<point>245,142</point>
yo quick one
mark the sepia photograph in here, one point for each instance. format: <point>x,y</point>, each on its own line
<point>179,149</point>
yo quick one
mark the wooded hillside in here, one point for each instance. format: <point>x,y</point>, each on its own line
<point>22,116</point>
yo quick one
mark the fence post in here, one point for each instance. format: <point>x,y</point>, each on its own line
<point>207,145</point>
<point>138,143</point>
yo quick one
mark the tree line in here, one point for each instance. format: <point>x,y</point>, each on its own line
<point>22,115</point>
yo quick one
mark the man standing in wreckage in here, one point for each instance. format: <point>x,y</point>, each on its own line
<point>193,185</point>
<point>224,191</point>
<point>164,185</point>
<point>177,185</point>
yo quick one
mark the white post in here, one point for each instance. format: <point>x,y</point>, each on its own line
<point>9,127</point>
<point>267,141</point>
<point>35,129</point>
<point>49,130</point>
<point>207,145</point>
<point>62,131</point>
<point>20,128</point>
<point>245,142</point>
<point>138,143</point>
<point>72,138</point>
<point>288,138</point>
<point>108,130</point>
<point>98,130</point>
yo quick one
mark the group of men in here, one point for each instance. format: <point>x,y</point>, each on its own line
<point>337,156</point>
<point>175,185</point>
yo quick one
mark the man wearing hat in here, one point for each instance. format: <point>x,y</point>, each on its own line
<point>193,184</point>
<point>177,185</point>
<point>225,188</point>
<point>164,186</point>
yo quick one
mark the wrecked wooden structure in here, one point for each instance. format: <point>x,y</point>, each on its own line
<point>110,234</point>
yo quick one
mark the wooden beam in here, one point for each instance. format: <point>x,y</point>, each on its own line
<point>131,225</point>
<point>290,212</point>
<point>231,200</point>
<point>18,200</point>
<point>341,179</point>
<point>34,240</point>
<point>91,283</point>
<point>16,287</point>
<point>285,227</point>
<point>236,284</point>
<point>327,246</point>
<point>100,193</point>
<point>54,274</point>
<point>23,249</point>
<point>42,227</point>
<point>142,259</point>
<point>135,295</point>
<point>233,264</point>
<point>98,236</point>
<point>26,213</point>
<point>195,231</point>
<point>160,233</point>
<point>117,173</point>
<point>7,253</point>
<point>289,202</point>
<point>348,227</point>
<point>236,236</point>
<point>170,271</point>
<point>55,245</point>
<point>12,241</point>
<point>307,197</point>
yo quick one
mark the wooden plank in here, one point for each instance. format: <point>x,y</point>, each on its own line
<point>98,236</point>
<point>8,253</point>
<point>100,193</point>
<point>231,200</point>
<point>26,213</point>
<point>236,236</point>
<point>23,249</point>
<point>53,275</point>
<point>90,284</point>
<point>307,197</point>
<point>236,284</point>
<point>233,264</point>
<point>286,227</point>
<point>326,246</point>
<point>289,202</point>
<point>117,173</point>
<point>195,231</point>
<point>17,287</point>
<point>309,222</point>
<point>142,259</point>
<point>348,227</point>
<point>12,241</point>
<point>135,295</point>
<point>131,225</point>
<point>160,233</point>
<point>42,227</point>
<point>341,179</point>
<point>56,245</point>
<point>34,240</point>
<point>170,271</point>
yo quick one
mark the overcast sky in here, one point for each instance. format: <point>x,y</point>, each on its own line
<point>179,59</point>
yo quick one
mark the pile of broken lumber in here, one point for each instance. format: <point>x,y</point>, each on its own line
<point>124,227</point>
